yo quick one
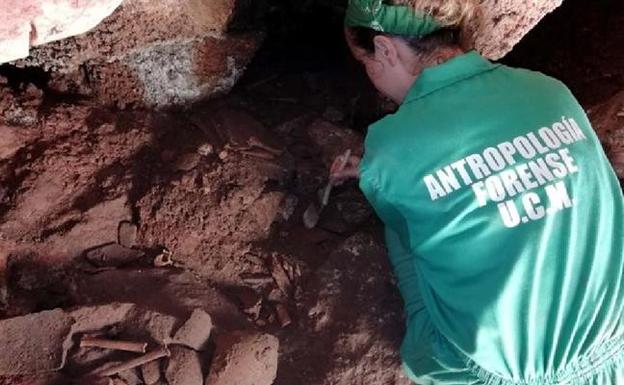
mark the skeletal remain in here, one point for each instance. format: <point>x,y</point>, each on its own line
<point>133,363</point>
<point>138,347</point>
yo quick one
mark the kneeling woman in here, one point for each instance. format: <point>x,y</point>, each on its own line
<point>536,297</point>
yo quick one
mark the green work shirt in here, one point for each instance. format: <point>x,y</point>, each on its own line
<point>503,223</point>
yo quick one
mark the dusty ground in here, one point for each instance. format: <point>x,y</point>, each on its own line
<point>221,188</point>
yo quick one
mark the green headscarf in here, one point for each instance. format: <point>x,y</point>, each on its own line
<point>393,19</point>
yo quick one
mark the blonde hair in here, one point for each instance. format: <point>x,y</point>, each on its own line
<point>465,15</point>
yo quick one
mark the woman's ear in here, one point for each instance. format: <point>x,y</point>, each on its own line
<point>385,50</point>
<point>374,68</point>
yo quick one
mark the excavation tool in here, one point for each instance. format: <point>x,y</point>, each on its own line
<point>313,212</point>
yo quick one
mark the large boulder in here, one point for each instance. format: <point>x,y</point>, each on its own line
<point>505,22</point>
<point>32,22</point>
<point>154,53</point>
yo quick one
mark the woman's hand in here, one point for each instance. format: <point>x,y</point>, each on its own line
<point>351,170</point>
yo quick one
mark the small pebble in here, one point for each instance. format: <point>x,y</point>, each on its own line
<point>184,367</point>
<point>205,149</point>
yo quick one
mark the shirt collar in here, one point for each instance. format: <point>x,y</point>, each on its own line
<point>452,71</point>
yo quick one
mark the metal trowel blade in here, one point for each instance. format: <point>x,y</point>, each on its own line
<point>312,215</point>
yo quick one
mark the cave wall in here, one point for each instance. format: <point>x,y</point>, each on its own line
<point>505,22</point>
<point>175,52</point>
<point>154,53</point>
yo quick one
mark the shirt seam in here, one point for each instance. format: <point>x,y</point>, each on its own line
<point>413,99</point>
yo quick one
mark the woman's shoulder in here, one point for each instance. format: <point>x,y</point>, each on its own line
<point>532,77</point>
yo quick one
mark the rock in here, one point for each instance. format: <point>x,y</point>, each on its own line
<point>35,343</point>
<point>127,234</point>
<point>150,326</point>
<point>244,358</point>
<point>195,332</point>
<point>90,319</point>
<point>130,377</point>
<point>180,52</point>
<point>112,255</point>
<point>151,372</point>
<point>205,149</point>
<point>184,367</point>
<point>31,22</point>
<point>505,22</point>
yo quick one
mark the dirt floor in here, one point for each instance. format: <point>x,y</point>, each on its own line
<point>207,202</point>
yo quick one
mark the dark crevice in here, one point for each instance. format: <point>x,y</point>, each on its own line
<point>19,77</point>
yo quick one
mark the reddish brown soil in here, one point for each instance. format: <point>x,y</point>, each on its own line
<point>230,213</point>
